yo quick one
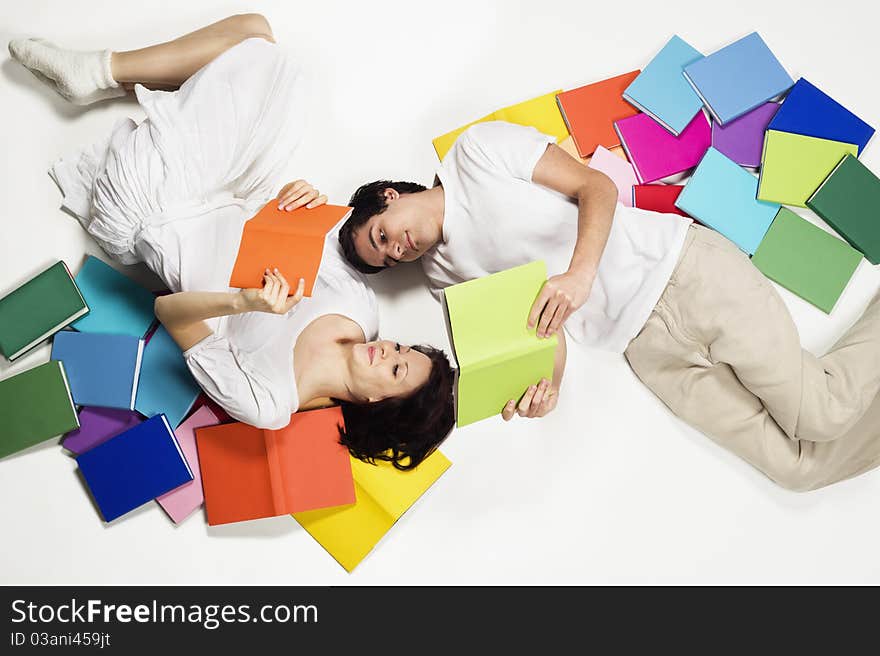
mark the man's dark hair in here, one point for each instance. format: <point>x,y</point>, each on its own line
<point>366,202</point>
<point>403,430</point>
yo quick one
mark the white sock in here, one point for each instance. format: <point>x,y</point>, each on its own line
<point>81,77</point>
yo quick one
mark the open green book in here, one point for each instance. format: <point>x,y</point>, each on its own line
<point>498,356</point>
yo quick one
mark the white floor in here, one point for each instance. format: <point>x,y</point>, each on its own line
<point>610,488</point>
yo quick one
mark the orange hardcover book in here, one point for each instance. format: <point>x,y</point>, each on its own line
<point>291,241</point>
<point>590,112</point>
<point>251,473</point>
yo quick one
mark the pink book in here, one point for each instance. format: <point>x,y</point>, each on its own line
<point>181,502</point>
<point>657,154</point>
<point>619,170</point>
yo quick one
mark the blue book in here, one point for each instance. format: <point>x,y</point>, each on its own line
<point>118,304</point>
<point>134,467</point>
<point>813,113</point>
<point>102,370</point>
<point>166,386</point>
<point>721,194</point>
<point>661,91</point>
<point>738,78</point>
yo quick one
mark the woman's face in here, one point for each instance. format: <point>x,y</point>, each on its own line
<point>385,369</point>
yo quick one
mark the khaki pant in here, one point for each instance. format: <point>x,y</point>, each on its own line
<point>722,352</point>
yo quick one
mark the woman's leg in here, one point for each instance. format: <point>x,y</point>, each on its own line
<point>86,77</point>
<point>169,64</point>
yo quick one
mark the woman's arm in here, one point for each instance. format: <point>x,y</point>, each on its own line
<point>540,399</point>
<point>596,197</point>
<point>184,314</point>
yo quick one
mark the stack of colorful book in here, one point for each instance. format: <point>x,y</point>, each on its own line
<point>714,122</point>
<point>141,432</point>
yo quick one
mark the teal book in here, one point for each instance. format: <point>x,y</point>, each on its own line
<point>165,386</point>
<point>118,304</point>
<point>35,405</point>
<point>39,308</point>
<point>806,260</point>
<point>848,201</point>
<point>662,92</point>
<point>498,356</point>
<point>721,194</point>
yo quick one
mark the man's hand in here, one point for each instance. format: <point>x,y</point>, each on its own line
<point>273,296</point>
<point>298,193</point>
<point>559,297</point>
<point>536,402</point>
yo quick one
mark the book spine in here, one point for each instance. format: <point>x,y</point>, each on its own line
<point>276,471</point>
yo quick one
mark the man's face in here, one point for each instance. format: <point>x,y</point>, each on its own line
<point>396,235</point>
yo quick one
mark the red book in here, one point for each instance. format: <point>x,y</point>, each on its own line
<point>658,198</point>
<point>251,473</point>
<point>590,112</point>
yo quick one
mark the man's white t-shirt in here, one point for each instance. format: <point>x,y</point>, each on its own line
<point>496,218</point>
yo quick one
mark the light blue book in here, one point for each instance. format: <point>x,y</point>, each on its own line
<point>102,370</point>
<point>738,78</point>
<point>118,304</point>
<point>166,386</point>
<point>661,91</point>
<point>721,195</point>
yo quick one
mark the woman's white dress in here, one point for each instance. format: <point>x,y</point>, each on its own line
<point>175,192</point>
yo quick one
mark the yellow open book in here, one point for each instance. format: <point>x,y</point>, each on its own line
<point>382,494</point>
<point>541,113</point>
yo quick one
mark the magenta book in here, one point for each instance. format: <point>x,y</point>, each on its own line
<point>655,153</point>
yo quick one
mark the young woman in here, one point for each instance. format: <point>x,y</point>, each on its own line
<point>175,192</point>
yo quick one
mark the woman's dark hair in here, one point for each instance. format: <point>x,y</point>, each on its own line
<point>403,430</point>
<point>366,202</point>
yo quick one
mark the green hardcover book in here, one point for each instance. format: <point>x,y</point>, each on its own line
<point>806,260</point>
<point>38,309</point>
<point>35,405</point>
<point>849,201</point>
<point>793,166</point>
<point>498,357</point>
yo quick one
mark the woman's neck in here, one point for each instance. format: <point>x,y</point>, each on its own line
<point>321,368</point>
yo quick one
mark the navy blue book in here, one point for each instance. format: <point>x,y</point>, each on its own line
<point>811,112</point>
<point>134,467</point>
<point>103,370</point>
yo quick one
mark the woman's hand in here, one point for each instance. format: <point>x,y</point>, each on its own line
<point>273,297</point>
<point>298,193</point>
<point>536,402</point>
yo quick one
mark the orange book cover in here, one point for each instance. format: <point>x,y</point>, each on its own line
<point>291,241</point>
<point>590,112</point>
<point>250,473</point>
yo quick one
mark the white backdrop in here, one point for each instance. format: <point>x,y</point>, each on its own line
<point>611,488</point>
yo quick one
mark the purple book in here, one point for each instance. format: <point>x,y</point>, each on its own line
<point>742,140</point>
<point>97,425</point>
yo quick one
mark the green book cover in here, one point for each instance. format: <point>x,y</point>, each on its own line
<point>35,405</point>
<point>498,356</point>
<point>848,201</point>
<point>793,166</point>
<point>806,260</point>
<point>38,309</point>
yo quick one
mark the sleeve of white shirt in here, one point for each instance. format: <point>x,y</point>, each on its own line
<point>226,376</point>
<point>511,148</point>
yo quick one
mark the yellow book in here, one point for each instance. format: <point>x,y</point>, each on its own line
<point>541,113</point>
<point>382,494</point>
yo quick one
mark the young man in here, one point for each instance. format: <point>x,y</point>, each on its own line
<point>504,197</point>
<point>697,322</point>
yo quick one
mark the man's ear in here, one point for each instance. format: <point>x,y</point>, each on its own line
<point>390,195</point>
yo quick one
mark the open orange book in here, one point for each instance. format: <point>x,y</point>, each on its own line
<point>291,241</point>
<point>251,473</point>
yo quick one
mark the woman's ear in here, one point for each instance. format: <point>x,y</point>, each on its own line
<point>391,195</point>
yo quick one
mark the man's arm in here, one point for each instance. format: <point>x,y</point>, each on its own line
<point>596,197</point>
